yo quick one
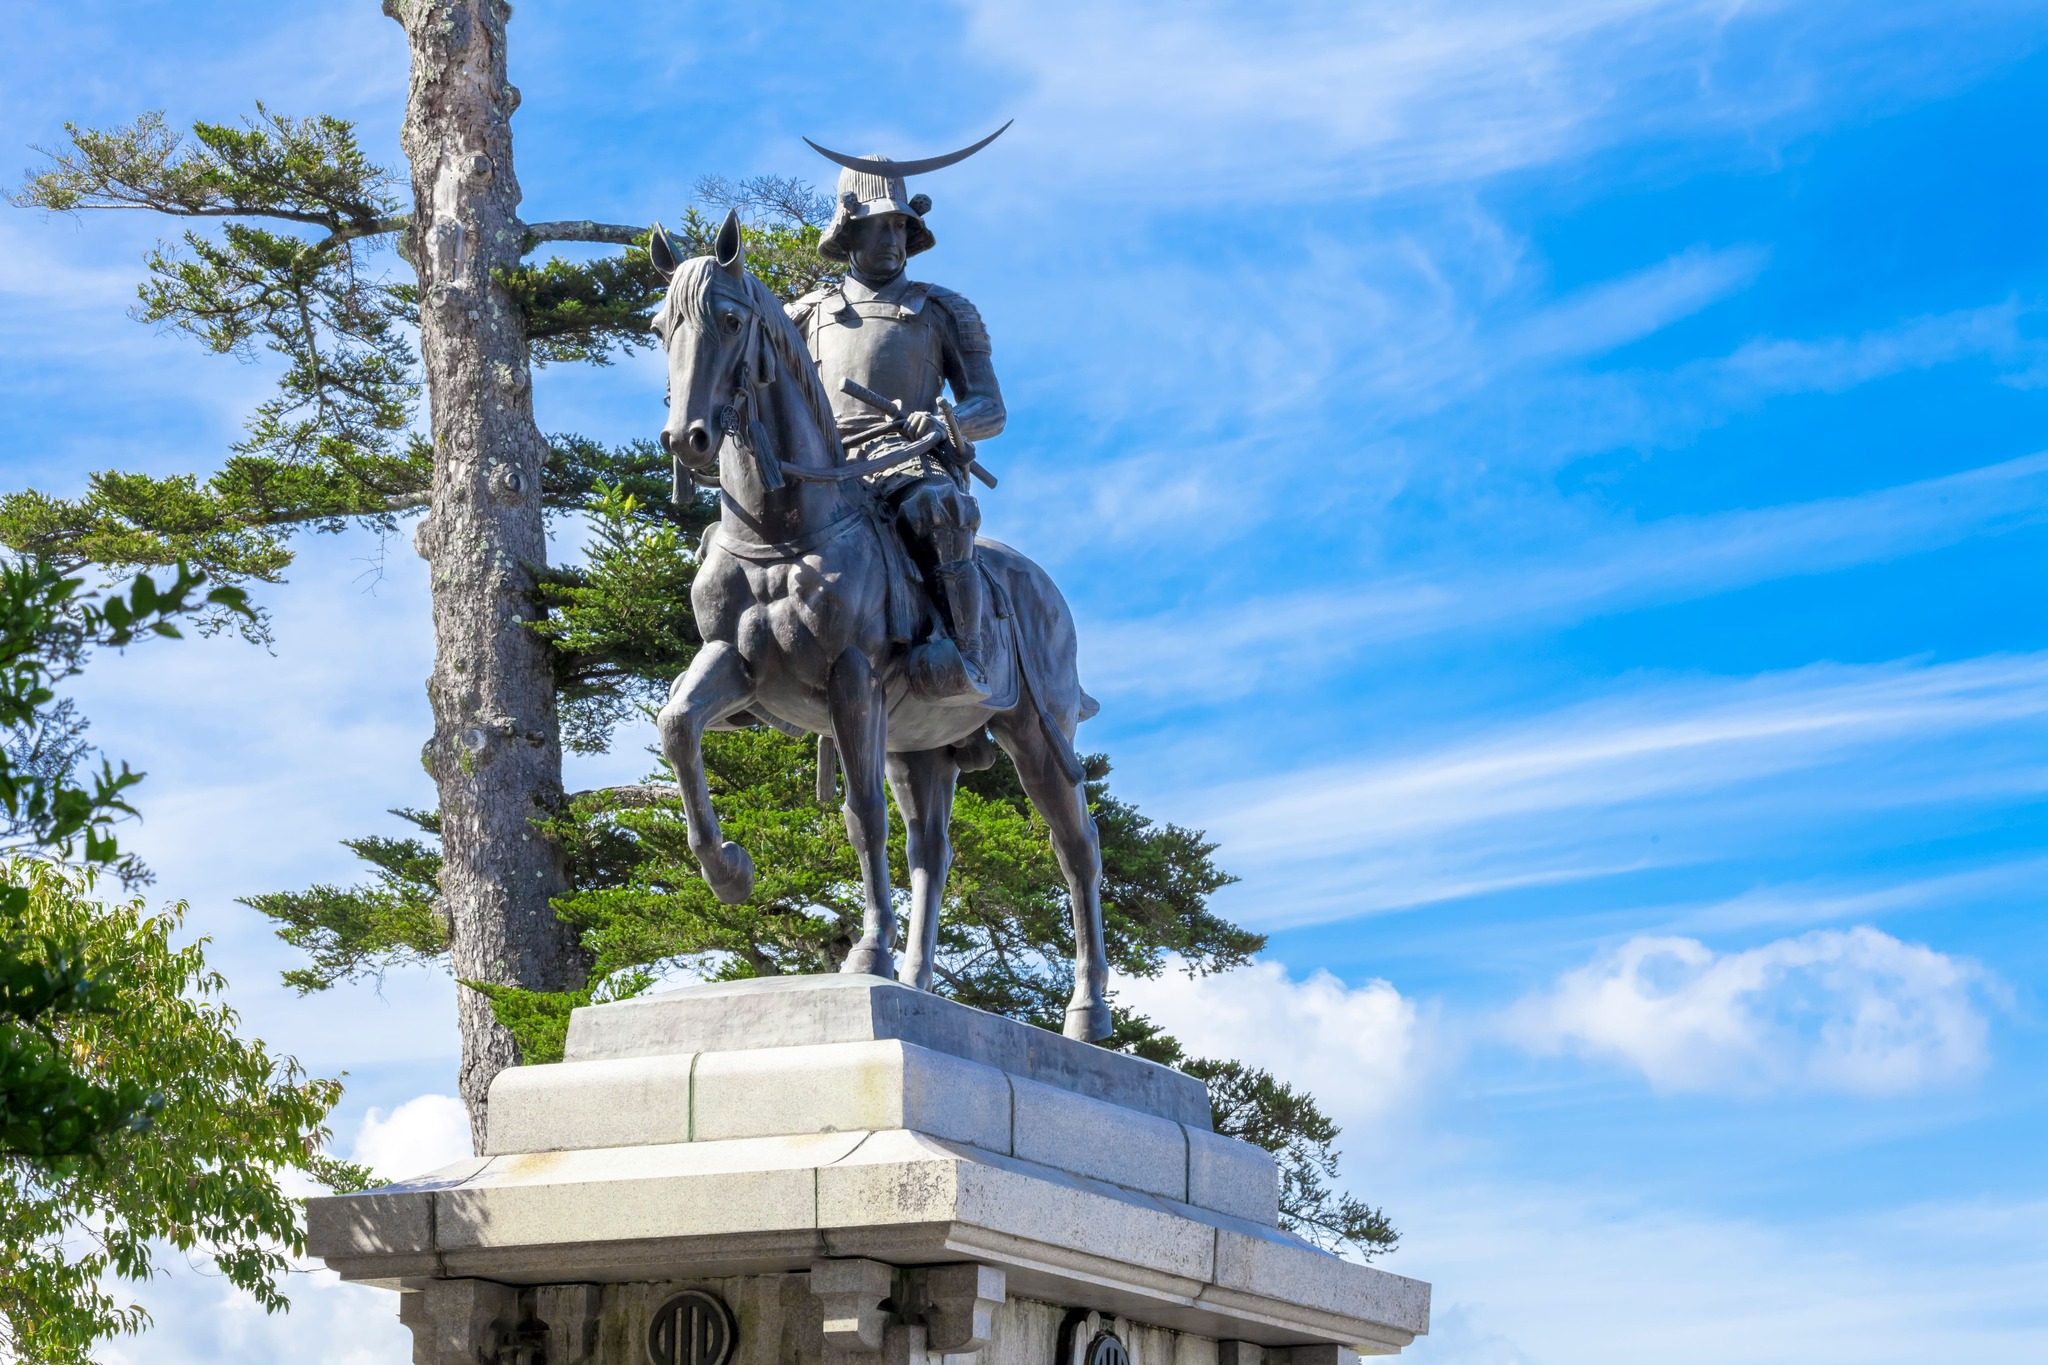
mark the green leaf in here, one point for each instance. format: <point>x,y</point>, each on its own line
<point>136,1120</point>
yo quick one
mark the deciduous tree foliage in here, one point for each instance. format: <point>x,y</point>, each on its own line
<point>202,1123</point>
<point>132,1114</point>
<point>615,899</point>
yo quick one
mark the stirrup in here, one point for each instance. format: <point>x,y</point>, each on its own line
<point>939,672</point>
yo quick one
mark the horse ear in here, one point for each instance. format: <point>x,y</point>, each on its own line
<point>663,250</point>
<point>731,246</point>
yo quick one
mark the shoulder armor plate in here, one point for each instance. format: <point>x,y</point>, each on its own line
<point>800,310</point>
<point>973,331</point>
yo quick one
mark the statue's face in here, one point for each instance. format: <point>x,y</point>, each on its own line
<point>879,245</point>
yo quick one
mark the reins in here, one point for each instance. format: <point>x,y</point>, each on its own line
<point>740,420</point>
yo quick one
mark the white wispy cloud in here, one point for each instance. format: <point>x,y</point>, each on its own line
<point>1532,1274</point>
<point>1177,101</point>
<point>1578,793</point>
<point>1851,1010</point>
<point>1189,653</point>
<point>1822,900</point>
<point>1616,312</point>
<point>199,1319</point>
<point>1772,365</point>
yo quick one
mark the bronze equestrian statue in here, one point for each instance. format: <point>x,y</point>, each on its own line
<point>814,614</point>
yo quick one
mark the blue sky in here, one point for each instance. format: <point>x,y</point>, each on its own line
<point>1558,491</point>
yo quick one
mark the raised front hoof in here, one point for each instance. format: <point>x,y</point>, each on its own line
<point>869,959</point>
<point>1088,1023</point>
<point>730,874</point>
<point>939,673</point>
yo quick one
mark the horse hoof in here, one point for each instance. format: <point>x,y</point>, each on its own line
<point>870,959</point>
<point>1088,1023</point>
<point>731,873</point>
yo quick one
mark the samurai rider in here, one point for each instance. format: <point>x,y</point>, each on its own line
<point>904,342</point>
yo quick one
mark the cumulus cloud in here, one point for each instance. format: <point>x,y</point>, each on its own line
<point>420,1135</point>
<point>1357,1049</point>
<point>1854,1010</point>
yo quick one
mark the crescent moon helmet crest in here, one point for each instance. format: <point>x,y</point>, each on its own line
<point>897,170</point>
<point>870,186</point>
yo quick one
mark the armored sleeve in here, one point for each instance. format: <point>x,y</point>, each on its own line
<point>969,368</point>
<point>968,328</point>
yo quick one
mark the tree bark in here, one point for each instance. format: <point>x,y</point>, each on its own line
<point>496,752</point>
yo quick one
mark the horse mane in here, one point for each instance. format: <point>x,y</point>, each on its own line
<point>690,291</point>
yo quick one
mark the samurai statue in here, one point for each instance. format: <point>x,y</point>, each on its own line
<point>888,348</point>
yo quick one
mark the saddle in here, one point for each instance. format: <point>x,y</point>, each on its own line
<point>915,622</point>
<point>911,615</point>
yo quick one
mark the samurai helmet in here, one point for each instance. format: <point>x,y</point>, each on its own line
<point>870,186</point>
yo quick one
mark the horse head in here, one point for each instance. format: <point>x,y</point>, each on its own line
<point>711,326</point>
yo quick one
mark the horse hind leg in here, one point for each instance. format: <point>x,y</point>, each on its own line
<point>1063,802</point>
<point>923,783</point>
<point>860,732</point>
<point>715,685</point>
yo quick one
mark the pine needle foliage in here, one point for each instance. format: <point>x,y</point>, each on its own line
<point>360,932</point>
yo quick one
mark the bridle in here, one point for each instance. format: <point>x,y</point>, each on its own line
<point>739,419</point>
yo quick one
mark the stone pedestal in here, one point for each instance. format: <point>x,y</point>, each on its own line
<point>838,1170</point>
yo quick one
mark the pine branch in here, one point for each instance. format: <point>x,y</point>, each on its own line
<point>296,170</point>
<point>584,230</point>
<point>332,444</point>
<point>630,794</point>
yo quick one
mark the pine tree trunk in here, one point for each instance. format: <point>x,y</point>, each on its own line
<point>496,752</point>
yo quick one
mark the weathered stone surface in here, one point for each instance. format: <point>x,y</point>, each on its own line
<point>917,1190</point>
<point>846,1087</point>
<point>850,1293</point>
<point>1060,1128</point>
<point>573,1314</point>
<point>798,1011</point>
<point>1253,1270</point>
<point>867,1087</point>
<point>632,1102</point>
<point>762,1205</point>
<point>960,1305</point>
<point>780,1322</point>
<point>1233,1177</point>
<point>458,1322</point>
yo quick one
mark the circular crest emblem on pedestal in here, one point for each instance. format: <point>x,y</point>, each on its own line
<point>1107,1350</point>
<point>696,1328</point>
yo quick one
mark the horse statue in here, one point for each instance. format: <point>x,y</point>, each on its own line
<point>808,611</point>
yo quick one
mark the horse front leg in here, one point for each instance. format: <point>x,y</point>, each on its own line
<point>1077,845</point>
<point>923,783</point>
<point>860,730</point>
<point>715,685</point>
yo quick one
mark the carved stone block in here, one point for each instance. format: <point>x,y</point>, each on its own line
<point>961,1306</point>
<point>572,1314</point>
<point>850,1292</point>
<point>460,1322</point>
<point>1323,1353</point>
